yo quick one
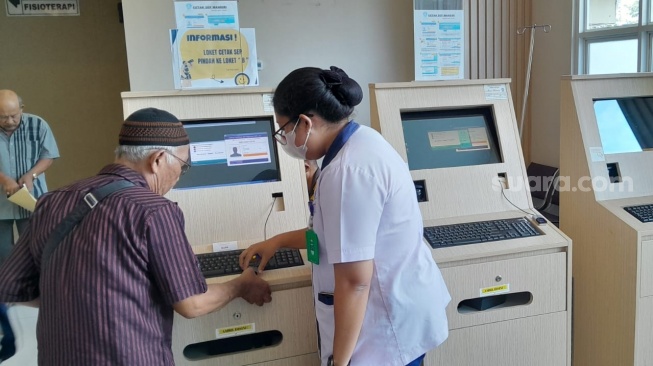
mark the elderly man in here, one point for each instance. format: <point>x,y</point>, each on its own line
<point>108,290</point>
<point>27,149</point>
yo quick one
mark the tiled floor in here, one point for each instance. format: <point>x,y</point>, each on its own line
<point>23,322</point>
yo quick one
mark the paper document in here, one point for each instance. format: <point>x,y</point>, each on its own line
<point>23,199</point>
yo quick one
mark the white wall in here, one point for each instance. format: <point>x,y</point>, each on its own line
<point>372,40</point>
<point>551,60</point>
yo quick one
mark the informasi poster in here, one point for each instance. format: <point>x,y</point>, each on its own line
<point>439,44</point>
<point>214,58</point>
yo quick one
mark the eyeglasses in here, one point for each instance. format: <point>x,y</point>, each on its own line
<point>185,165</point>
<point>15,117</point>
<point>280,134</point>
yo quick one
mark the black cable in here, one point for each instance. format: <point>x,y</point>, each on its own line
<point>265,226</point>
<point>504,196</point>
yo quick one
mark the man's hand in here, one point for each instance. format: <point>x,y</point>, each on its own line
<point>253,289</point>
<point>10,187</point>
<point>28,181</point>
<point>248,286</point>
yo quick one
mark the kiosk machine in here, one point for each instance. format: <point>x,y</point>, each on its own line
<point>239,191</point>
<point>507,274</point>
<point>606,203</point>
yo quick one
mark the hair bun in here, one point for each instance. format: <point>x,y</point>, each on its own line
<point>345,89</point>
<point>331,78</point>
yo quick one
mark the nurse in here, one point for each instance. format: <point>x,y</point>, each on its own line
<point>379,296</point>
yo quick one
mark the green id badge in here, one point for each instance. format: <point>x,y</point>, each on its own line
<point>312,247</point>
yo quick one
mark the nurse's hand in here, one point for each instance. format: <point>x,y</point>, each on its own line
<point>258,253</point>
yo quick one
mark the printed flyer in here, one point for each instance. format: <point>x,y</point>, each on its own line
<point>439,44</point>
<point>214,58</point>
<point>206,14</point>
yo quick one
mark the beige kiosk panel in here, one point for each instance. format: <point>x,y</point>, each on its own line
<point>286,313</point>
<point>646,288</point>
<point>643,326</point>
<point>612,249</point>
<point>311,359</point>
<point>477,190</point>
<point>521,331</point>
<point>587,88</point>
<point>542,294</point>
<point>238,212</point>
<point>527,341</point>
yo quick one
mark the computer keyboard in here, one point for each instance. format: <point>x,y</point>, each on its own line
<point>479,232</point>
<point>643,213</point>
<point>227,262</point>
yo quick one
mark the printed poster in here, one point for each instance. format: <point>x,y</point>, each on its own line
<point>439,44</point>
<point>206,14</point>
<point>214,58</point>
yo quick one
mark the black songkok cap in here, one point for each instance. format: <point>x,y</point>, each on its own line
<point>155,127</point>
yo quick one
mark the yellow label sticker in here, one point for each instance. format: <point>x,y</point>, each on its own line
<point>227,332</point>
<point>495,290</point>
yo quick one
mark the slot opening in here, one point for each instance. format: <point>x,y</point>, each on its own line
<point>494,302</point>
<point>231,345</point>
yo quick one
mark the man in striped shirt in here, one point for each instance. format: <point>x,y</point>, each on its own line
<point>27,149</point>
<point>108,291</point>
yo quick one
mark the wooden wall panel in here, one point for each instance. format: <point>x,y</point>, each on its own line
<point>496,51</point>
<point>472,16</point>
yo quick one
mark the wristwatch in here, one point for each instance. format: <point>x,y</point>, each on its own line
<point>34,175</point>
<point>331,363</point>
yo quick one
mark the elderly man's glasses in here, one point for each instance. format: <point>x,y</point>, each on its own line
<point>280,134</point>
<point>185,165</point>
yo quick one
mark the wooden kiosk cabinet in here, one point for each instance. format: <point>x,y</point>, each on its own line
<point>606,164</point>
<point>511,298</point>
<point>283,332</point>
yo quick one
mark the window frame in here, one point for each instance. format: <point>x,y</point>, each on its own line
<point>642,32</point>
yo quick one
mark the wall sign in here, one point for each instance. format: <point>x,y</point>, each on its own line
<point>439,44</point>
<point>206,14</point>
<point>42,7</point>
<point>214,58</point>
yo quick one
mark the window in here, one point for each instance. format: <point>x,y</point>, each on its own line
<point>614,36</point>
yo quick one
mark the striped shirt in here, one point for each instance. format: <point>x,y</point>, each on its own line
<point>107,291</point>
<point>32,141</point>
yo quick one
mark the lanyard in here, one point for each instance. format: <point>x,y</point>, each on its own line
<point>313,188</point>
<point>311,207</point>
<point>339,142</point>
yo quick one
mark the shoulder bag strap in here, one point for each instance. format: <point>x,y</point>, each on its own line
<point>89,201</point>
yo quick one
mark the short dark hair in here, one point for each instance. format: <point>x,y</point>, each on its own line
<point>330,93</point>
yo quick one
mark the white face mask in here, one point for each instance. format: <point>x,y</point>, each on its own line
<point>297,152</point>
